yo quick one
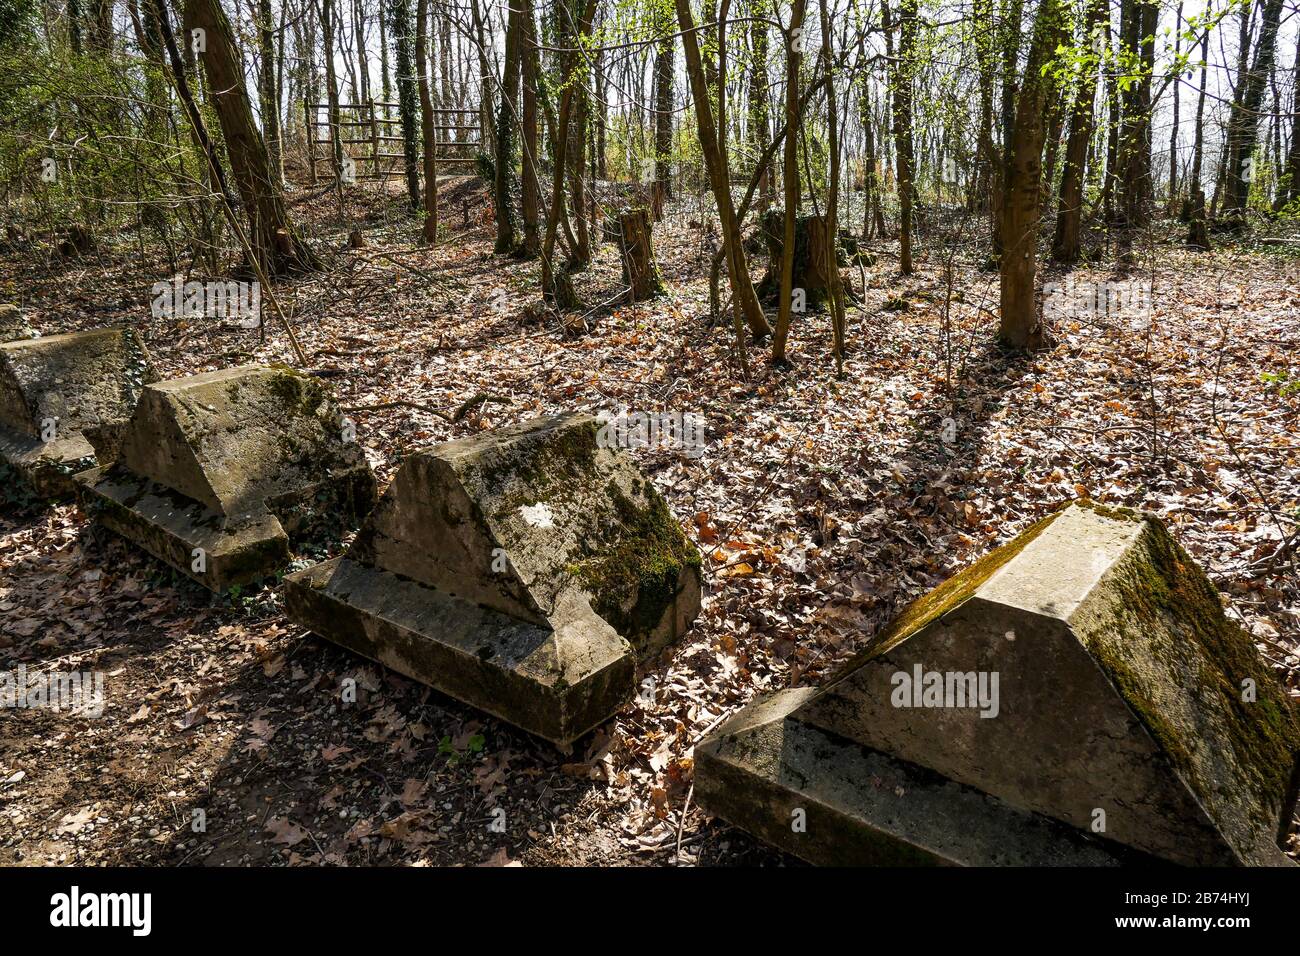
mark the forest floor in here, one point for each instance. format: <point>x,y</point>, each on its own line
<point>822,504</point>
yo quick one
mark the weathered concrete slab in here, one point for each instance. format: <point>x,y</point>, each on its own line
<point>13,324</point>
<point>1084,673</point>
<point>53,390</point>
<point>525,571</point>
<point>218,474</point>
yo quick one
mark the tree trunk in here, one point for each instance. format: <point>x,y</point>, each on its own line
<point>790,178</point>
<point>1198,143</point>
<point>715,160</point>
<point>1069,216</point>
<point>407,96</point>
<point>836,302</point>
<point>1172,208</point>
<point>269,90</point>
<point>662,189</point>
<point>272,236</point>
<point>427,137</point>
<point>903,127</point>
<point>506,120</point>
<point>326,12</point>
<point>529,190</point>
<point>1288,188</point>
<point>1020,326</point>
<point>577,151</point>
<point>1137,35</point>
<point>760,101</point>
<point>1243,124</point>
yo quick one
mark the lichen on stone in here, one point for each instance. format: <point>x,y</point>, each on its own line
<point>1166,610</point>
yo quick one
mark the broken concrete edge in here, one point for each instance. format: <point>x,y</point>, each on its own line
<point>235,439</point>
<point>35,473</point>
<point>299,484</point>
<point>648,584</point>
<point>555,684</point>
<point>646,579</point>
<point>831,802</point>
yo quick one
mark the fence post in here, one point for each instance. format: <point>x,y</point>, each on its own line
<point>311,139</point>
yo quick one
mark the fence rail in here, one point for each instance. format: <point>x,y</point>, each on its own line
<point>379,117</point>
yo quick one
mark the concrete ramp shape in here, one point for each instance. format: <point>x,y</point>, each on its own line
<point>1076,697</point>
<point>524,571</point>
<point>219,474</point>
<point>56,390</point>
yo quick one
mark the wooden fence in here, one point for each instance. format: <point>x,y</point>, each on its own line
<point>366,131</point>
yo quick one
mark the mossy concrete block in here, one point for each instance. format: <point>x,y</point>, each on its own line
<point>13,324</point>
<point>536,525</point>
<point>54,390</point>
<point>219,474</point>
<point>1118,701</point>
<point>557,680</point>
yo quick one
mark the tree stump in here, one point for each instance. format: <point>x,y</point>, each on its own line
<point>1198,234</point>
<point>812,273</point>
<point>75,240</point>
<point>639,269</point>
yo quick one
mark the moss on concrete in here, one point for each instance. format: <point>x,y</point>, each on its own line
<point>953,592</point>
<point>633,580</point>
<point>1164,605</point>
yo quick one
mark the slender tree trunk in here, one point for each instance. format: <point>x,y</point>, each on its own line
<point>664,68</point>
<point>1243,124</point>
<point>903,151</point>
<point>268,89</point>
<point>428,137</point>
<point>1288,189</point>
<point>715,160</point>
<point>485,79</point>
<point>326,11</point>
<point>1173,130</point>
<point>529,191</point>
<point>760,100</point>
<point>986,150</point>
<point>556,284</point>
<point>790,179</point>
<point>1020,326</point>
<point>363,61</point>
<point>507,118</point>
<point>407,96</point>
<point>385,74</point>
<point>1069,216</point>
<point>272,235</point>
<point>1137,35</point>
<point>577,145</point>
<point>835,293</point>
